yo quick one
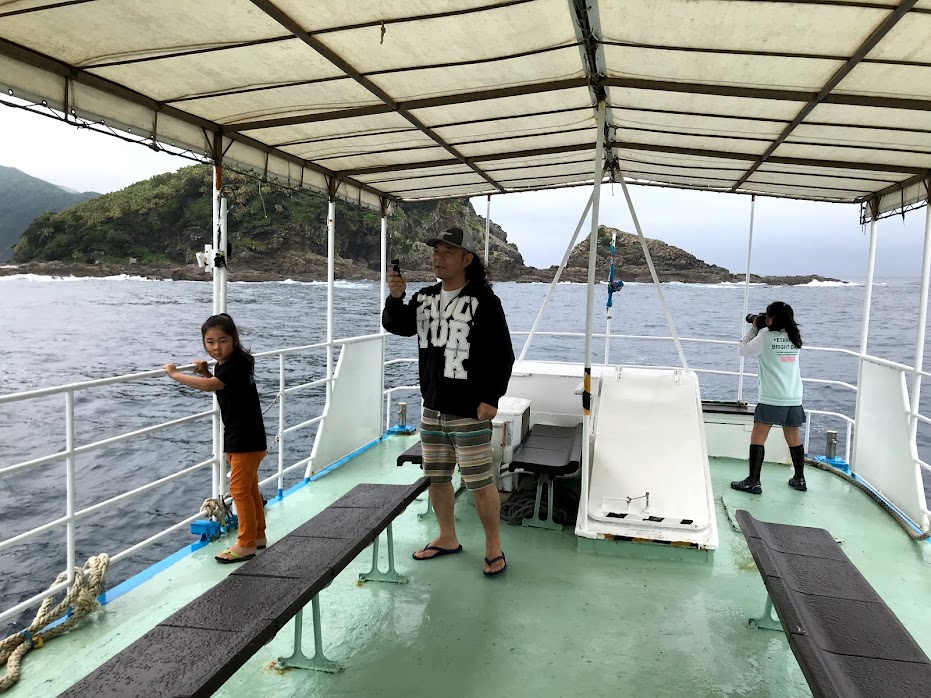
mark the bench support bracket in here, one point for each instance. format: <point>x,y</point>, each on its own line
<point>459,489</point>
<point>767,621</point>
<point>299,660</point>
<point>376,575</point>
<point>536,521</point>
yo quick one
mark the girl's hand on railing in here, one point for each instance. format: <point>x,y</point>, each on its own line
<point>200,367</point>
<point>171,370</point>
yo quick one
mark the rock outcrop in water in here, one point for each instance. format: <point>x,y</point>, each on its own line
<point>153,228</point>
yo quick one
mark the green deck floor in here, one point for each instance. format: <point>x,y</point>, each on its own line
<point>559,623</point>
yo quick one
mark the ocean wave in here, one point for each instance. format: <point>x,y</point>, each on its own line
<point>339,283</point>
<point>826,284</point>
<point>51,279</point>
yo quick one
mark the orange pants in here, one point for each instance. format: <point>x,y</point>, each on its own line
<point>244,487</point>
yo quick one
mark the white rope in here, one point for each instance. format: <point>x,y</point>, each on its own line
<point>80,601</point>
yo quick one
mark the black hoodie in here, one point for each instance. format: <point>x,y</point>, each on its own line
<point>465,349</point>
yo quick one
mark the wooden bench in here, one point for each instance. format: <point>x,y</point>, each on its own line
<point>549,452</point>
<point>847,641</point>
<point>194,651</point>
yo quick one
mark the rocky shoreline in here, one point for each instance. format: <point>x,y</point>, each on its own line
<point>315,270</point>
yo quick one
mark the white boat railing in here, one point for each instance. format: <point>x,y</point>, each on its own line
<point>72,516</point>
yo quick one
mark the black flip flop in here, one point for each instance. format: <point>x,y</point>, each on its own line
<point>439,552</point>
<point>493,561</point>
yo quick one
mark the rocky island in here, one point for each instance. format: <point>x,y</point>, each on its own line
<point>153,228</point>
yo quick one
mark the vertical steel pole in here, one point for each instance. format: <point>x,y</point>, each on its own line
<point>608,313</point>
<point>870,271</point>
<point>922,322</point>
<point>589,304</point>
<point>330,277</point>
<point>383,293</point>
<point>281,425</point>
<point>217,183</point>
<point>219,467</point>
<point>487,228</point>
<point>740,378</point>
<point>223,273</point>
<point>69,483</point>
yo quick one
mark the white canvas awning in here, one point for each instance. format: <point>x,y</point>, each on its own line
<point>413,99</point>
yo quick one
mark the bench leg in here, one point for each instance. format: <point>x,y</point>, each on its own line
<point>299,660</point>
<point>429,510</point>
<point>536,521</point>
<point>766,621</point>
<point>460,488</point>
<point>376,575</point>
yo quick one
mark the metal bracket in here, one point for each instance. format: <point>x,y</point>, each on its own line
<point>298,660</point>
<point>536,521</point>
<point>376,575</point>
<point>424,514</point>
<point>767,621</point>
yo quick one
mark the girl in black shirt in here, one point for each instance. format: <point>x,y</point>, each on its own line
<point>233,381</point>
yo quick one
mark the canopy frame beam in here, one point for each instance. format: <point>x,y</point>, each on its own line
<point>884,28</point>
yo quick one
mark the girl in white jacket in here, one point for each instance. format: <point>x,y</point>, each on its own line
<point>775,339</point>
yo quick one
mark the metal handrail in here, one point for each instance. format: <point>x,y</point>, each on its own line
<point>72,516</point>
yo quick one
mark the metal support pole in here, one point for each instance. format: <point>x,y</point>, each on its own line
<point>659,289</point>
<point>281,425</point>
<point>382,295</point>
<point>69,483</point>
<point>589,304</point>
<point>330,277</point>
<point>383,283</point>
<point>487,228</point>
<point>740,377</point>
<point>608,310</point>
<point>215,276</point>
<point>219,469</point>
<point>922,323</point>
<point>549,291</point>
<point>870,270</point>
<point>223,272</point>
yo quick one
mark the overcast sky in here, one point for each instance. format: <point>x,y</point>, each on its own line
<point>790,237</point>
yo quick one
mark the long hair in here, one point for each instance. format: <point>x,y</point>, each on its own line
<point>225,323</point>
<point>784,320</point>
<point>476,274</point>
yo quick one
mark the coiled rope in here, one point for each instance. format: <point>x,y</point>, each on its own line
<point>80,601</point>
<point>216,508</point>
<point>521,503</point>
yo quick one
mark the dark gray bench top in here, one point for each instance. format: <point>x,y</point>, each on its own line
<point>712,407</point>
<point>412,455</point>
<point>550,450</point>
<point>194,651</point>
<point>847,641</point>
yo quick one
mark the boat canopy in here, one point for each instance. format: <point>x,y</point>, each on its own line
<point>407,100</point>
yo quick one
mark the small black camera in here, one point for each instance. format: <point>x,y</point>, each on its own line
<point>396,266</point>
<point>758,321</point>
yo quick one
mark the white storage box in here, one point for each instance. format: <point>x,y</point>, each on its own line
<point>509,427</point>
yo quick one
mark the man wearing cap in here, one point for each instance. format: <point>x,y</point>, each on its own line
<point>465,357</point>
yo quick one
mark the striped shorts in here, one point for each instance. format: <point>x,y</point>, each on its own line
<point>447,439</point>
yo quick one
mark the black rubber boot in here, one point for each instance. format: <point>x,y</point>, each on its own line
<point>798,462</point>
<point>752,483</point>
